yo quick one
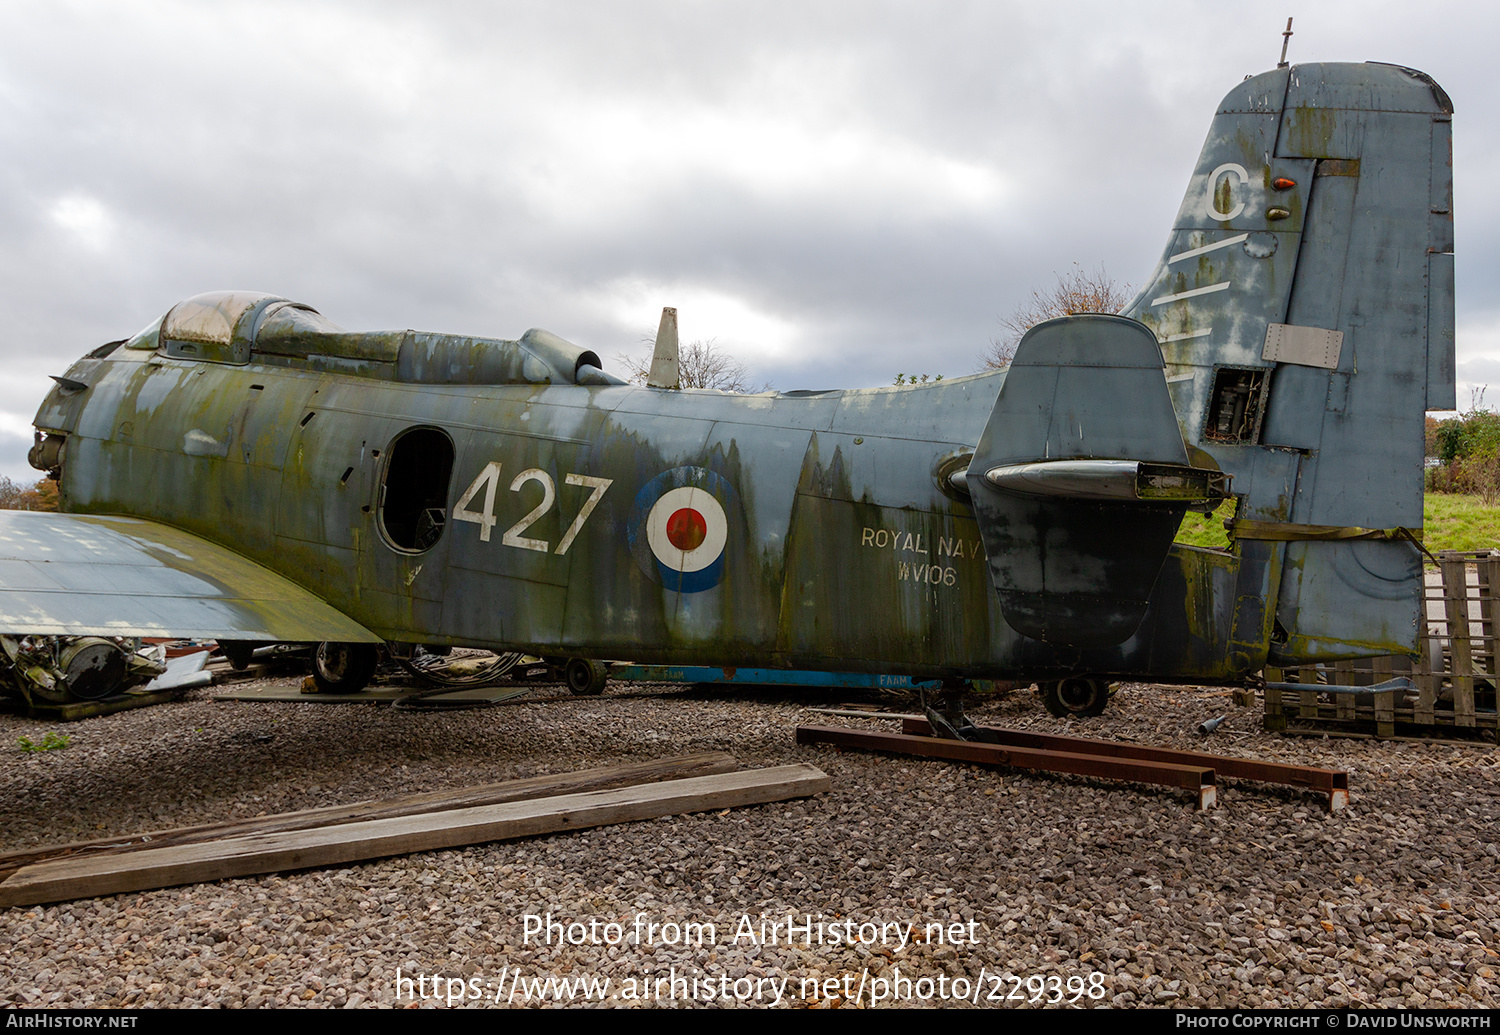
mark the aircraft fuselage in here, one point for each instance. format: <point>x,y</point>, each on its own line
<point>843,543</point>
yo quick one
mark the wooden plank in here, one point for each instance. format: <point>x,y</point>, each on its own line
<point>64,879</point>
<point>1343,704</point>
<point>1385,714</point>
<point>1275,716</point>
<point>1489,607</point>
<point>697,764</point>
<point>702,763</point>
<point>1308,708</point>
<point>77,711</point>
<point>1426,674</point>
<point>859,713</point>
<point>1385,704</point>
<point>1356,735</point>
<point>1456,609</point>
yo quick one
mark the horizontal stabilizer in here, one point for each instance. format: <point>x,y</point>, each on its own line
<point>1110,480</point>
<point>1081,479</point>
<point>86,575</point>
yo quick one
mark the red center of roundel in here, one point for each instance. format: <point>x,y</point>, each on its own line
<point>686,529</point>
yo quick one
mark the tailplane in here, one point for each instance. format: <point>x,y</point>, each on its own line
<point>1081,480</point>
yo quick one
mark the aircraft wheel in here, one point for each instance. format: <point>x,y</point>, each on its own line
<point>1078,697</point>
<point>344,668</point>
<point>585,677</point>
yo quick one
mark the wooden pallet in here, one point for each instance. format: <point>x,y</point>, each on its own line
<point>1455,670</point>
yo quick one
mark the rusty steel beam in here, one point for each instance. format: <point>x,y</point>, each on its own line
<point>1332,782</point>
<point>1196,778</point>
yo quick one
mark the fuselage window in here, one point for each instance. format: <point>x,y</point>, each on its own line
<point>414,496</point>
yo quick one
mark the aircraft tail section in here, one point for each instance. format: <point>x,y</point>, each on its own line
<point>1285,350</point>
<point>1304,310</point>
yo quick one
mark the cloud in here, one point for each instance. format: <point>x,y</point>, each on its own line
<point>835,188</point>
<point>86,219</point>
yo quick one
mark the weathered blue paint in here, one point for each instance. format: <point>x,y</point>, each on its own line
<point>486,492</point>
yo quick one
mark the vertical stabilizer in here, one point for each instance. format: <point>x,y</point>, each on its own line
<point>1304,308</point>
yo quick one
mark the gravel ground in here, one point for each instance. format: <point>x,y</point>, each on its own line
<point>1038,887</point>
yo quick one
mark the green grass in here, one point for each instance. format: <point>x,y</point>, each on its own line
<point>1451,521</point>
<point>53,741</point>
<point>1205,529</point>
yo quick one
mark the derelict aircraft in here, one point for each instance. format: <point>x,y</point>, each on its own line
<point>243,469</point>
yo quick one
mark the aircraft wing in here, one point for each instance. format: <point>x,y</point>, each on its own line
<point>82,574</point>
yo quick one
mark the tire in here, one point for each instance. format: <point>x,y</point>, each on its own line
<point>344,668</point>
<point>1077,697</point>
<point>585,677</point>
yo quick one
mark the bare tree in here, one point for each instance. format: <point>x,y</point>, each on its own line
<point>1081,291</point>
<point>700,364</point>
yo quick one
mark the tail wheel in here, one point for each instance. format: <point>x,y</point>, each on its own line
<point>1079,697</point>
<point>344,668</point>
<point>585,677</point>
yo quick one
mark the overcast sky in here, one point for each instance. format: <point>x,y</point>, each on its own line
<point>837,192</point>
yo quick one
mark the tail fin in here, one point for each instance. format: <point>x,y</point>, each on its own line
<point>1304,306</point>
<point>1303,313</point>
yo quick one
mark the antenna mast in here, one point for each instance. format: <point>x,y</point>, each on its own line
<point>1286,37</point>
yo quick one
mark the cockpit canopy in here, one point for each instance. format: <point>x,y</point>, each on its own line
<point>220,326</point>
<point>238,326</point>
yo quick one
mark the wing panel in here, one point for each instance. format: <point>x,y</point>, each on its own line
<point>82,574</point>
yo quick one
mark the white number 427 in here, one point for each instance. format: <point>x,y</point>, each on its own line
<point>489,481</point>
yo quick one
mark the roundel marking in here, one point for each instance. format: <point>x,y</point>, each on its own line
<point>680,528</point>
<point>687,529</point>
